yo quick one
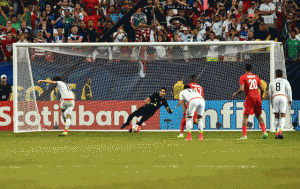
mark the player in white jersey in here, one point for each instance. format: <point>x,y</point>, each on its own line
<point>191,100</point>
<point>280,94</point>
<point>67,100</point>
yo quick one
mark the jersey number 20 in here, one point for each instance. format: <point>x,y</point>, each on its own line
<point>253,84</point>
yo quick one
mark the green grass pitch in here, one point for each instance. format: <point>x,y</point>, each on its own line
<point>148,160</point>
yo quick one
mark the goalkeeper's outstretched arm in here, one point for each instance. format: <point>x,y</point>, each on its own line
<point>46,81</point>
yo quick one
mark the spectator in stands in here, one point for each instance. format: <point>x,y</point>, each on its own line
<point>15,22</point>
<point>254,24</point>
<point>213,54</point>
<point>38,54</point>
<point>142,30</point>
<point>232,24</point>
<point>267,10</point>
<point>290,23</point>
<point>23,27</point>
<point>221,10</point>
<point>92,33</point>
<point>9,28</point>
<point>292,48</point>
<point>117,16</point>
<point>59,37</point>
<point>57,19</point>
<point>74,36</point>
<point>93,4</point>
<point>46,31</point>
<point>158,11</point>
<point>231,51</point>
<point>108,26</point>
<point>2,33</point>
<point>68,21</point>
<point>217,27</point>
<point>243,34</point>
<point>240,12</point>
<point>118,37</point>
<point>252,8</point>
<point>250,36</point>
<point>161,51</point>
<point>138,18</point>
<point>30,15</point>
<point>262,34</point>
<point>148,11</point>
<point>22,51</point>
<point>83,31</point>
<point>43,16</point>
<point>7,47</point>
<point>196,36</point>
<point>198,25</point>
<point>78,13</point>
<point>95,18</point>
<point>49,9</point>
<point>175,27</point>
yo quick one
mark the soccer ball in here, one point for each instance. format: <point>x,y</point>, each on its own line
<point>136,128</point>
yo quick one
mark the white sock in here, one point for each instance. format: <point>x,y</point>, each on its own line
<point>68,123</point>
<point>276,124</point>
<point>200,124</point>
<point>189,123</point>
<point>281,122</point>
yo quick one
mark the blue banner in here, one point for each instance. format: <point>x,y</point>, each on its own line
<point>228,113</point>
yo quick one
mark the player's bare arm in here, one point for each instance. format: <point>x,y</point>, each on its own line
<point>262,90</point>
<point>241,89</point>
<point>46,81</point>
<point>182,102</point>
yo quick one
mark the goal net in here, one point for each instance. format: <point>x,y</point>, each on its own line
<point>111,80</point>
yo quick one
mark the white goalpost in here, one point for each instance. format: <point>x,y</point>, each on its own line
<point>124,74</point>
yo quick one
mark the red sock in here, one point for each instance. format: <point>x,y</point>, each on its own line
<point>277,134</point>
<point>263,127</point>
<point>280,132</point>
<point>244,130</point>
<point>189,135</point>
<point>182,125</point>
<point>201,135</point>
<point>195,117</point>
<point>66,130</point>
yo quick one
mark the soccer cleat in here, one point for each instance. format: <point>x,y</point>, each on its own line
<point>123,126</point>
<point>200,138</point>
<point>276,137</point>
<point>64,134</point>
<point>130,130</point>
<point>190,139</point>
<point>280,136</point>
<point>244,138</point>
<point>180,136</point>
<point>265,135</point>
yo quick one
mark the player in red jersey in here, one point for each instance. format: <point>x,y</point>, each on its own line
<point>250,83</point>
<point>193,85</point>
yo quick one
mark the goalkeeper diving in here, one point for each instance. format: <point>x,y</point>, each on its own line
<point>67,100</point>
<point>153,103</point>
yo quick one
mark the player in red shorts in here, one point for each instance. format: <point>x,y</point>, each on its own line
<point>193,85</point>
<point>250,83</point>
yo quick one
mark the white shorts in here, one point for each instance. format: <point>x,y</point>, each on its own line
<point>67,106</point>
<point>197,104</point>
<point>279,104</point>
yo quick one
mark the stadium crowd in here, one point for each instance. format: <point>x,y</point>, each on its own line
<point>67,21</point>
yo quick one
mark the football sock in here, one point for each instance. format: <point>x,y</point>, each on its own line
<point>200,124</point>
<point>200,133</point>
<point>276,123</point>
<point>182,125</point>
<point>189,124</point>
<point>277,132</point>
<point>244,130</point>
<point>263,127</point>
<point>281,123</point>
<point>189,134</point>
<point>68,123</point>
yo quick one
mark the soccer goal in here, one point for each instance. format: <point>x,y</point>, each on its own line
<point>111,80</point>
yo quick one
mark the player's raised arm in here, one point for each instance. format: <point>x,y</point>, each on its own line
<point>241,89</point>
<point>46,81</point>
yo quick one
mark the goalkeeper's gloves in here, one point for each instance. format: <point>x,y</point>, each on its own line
<point>170,111</point>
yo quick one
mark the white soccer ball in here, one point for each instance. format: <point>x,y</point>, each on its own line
<point>136,128</point>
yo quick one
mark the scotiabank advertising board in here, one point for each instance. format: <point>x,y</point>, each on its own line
<point>110,115</point>
<point>87,115</point>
